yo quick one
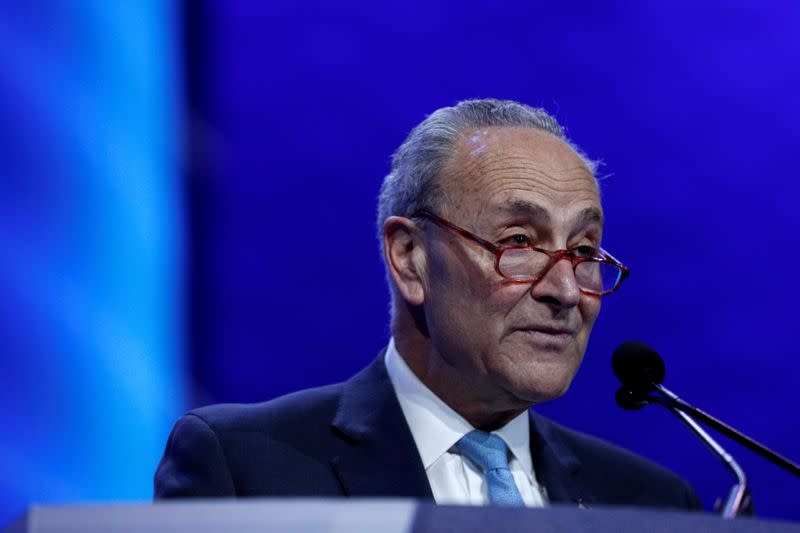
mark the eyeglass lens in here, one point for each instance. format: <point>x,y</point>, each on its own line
<point>525,264</point>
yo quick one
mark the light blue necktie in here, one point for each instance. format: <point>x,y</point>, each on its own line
<point>490,453</point>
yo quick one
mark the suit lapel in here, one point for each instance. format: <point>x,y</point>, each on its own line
<point>556,466</point>
<point>375,453</point>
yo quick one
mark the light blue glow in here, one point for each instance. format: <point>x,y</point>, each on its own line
<point>91,233</point>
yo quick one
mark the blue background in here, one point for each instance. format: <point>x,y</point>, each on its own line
<point>92,366</point>
<point>250,267</point>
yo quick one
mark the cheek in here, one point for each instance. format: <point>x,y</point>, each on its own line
<point>485,304</point>
<point>472,303</point>
<point>457,290</point>
<point>467,279</point>
<point>589,308</point>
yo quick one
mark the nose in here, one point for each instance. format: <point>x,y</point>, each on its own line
<point>558,286</point>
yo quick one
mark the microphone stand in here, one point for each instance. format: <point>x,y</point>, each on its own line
<point>735,499</point>
<point>641,371</point>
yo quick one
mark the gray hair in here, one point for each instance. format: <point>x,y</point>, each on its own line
<point>412,183</point>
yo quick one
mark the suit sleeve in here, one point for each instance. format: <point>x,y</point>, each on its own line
<point>194,464</point>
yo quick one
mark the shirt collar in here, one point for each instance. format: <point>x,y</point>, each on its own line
<point>436,427</point>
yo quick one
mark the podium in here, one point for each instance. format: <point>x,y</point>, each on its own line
<point>379,515</point>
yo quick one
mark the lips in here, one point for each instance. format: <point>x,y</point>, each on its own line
<point>550,330</point>
<point>549,335</point>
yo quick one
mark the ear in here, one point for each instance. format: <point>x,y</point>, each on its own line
<point>405,258</point>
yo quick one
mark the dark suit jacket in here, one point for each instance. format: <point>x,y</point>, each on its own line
<point>352,439</point>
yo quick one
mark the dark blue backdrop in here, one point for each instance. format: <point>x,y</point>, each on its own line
<point>693,108</point>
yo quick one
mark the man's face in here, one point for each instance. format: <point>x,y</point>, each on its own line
<point>510,344</point>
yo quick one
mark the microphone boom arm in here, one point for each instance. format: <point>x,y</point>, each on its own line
<point>718,425</point>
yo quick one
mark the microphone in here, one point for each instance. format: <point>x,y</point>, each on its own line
<point>641,371</point>
<point>638,366</point>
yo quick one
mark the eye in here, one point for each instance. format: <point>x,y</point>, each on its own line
<point>584,251</point>
<point>518,239</point>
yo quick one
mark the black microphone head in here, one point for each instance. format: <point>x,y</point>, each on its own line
<point>638,366</point>
<point>630,400</point>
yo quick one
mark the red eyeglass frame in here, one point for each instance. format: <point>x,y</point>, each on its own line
<point>602,256</point>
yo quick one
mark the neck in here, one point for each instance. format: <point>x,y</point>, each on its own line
<point>485,408</point>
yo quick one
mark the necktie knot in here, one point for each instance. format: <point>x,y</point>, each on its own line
<point>486,450</point>
<point>490,453</point>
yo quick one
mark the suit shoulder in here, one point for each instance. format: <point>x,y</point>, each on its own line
<point>317,404</point>
<point>279,447</point>
<point>594,447</point>
<point>621,472</point>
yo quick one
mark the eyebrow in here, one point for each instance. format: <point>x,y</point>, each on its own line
<point>588,216</point>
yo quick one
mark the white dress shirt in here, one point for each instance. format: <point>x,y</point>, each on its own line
<point>436,429</point>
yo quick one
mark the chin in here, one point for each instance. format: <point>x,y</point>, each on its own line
<point>542,385</point>
<point>535,375</point>
<point>542,395</point>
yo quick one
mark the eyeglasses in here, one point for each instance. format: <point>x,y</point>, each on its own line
<point>596,271</point>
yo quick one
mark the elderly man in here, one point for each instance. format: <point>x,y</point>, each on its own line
<point>491,224</point>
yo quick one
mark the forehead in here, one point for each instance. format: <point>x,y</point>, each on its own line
<point>494,170</point>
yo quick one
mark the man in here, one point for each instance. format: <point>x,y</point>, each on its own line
<point>491,224</point>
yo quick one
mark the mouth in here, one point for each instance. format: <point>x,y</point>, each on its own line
<point>549,335</point>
